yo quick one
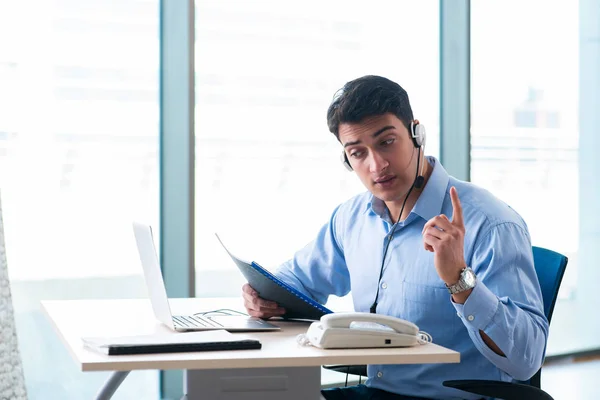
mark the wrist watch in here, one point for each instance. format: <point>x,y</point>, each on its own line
<point>467,281</point>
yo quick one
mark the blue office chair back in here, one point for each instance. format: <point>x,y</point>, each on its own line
<point>550,267</point>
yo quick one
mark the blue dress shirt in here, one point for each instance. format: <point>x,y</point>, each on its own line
<point>506,303</point>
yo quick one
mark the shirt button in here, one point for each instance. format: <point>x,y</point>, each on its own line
<point>384,285</point>
<point>470,318</point>
<point>379,374</point>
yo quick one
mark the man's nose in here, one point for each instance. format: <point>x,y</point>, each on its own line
<point>378,163</point>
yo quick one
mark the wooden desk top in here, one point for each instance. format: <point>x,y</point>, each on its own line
<point>74,319</point>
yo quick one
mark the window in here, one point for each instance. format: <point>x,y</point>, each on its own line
<point>525,134</point>
<point>78,162</point>
<point>268,172</point>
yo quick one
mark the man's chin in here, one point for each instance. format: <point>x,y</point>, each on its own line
<point>388,195</point>
<point>385,196</point>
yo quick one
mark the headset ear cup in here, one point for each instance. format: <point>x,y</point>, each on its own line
<point>418,134</point>
<point>345,161</point>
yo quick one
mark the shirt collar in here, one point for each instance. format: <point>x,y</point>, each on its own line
<point>429,203</point>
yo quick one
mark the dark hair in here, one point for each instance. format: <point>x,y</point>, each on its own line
<point>365,97</point>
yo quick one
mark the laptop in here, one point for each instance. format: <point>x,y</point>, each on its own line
<point>160,302</point>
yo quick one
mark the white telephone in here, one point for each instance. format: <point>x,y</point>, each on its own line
<point>363,330</point>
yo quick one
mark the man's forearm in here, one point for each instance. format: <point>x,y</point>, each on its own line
<point>519,335</point>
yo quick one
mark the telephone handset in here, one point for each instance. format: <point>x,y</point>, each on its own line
<point>363,330</point>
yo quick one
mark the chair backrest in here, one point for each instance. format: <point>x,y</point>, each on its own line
<point>12,383</point>
<point>550,267</point>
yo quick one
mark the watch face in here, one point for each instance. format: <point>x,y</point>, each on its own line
<point>469,277</point>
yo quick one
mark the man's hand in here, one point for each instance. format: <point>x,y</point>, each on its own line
<point>257,307</point>
<point>445,238</point>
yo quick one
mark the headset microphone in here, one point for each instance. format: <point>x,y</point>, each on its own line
<point>419,181</point>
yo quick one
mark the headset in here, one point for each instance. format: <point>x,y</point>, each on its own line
<point>417,134</point>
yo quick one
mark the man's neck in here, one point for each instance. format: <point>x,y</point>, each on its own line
<point>395,206</point>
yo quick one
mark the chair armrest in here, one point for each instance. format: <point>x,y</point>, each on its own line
<point>348,369</point>
<point>499,389</point>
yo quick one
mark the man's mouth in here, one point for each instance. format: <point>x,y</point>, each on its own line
<point>385,179</point>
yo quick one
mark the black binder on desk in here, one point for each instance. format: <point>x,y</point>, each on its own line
<point>174,343</point>
<point>269,287</point>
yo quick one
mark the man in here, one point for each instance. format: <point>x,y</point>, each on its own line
<point>461,269</point>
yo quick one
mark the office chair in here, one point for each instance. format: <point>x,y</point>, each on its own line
<point>550,268</point>
<point>12,382</point>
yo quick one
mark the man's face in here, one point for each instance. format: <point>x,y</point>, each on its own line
<point>382,154</point>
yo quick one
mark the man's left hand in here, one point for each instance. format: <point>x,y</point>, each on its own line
<point>446,239</point>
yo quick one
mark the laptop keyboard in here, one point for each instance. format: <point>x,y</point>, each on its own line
<point>195,321</point>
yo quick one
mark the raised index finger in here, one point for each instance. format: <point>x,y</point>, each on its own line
<point>457,215</point>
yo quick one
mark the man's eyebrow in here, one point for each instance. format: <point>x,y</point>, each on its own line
<point>379,132</point>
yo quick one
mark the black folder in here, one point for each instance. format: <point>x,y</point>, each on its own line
<point>124,349</point>
<point>173,343</point>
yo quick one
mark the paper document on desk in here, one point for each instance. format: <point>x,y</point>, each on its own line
<point>171,343</point>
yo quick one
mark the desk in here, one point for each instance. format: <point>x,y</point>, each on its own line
<point>281,368</point>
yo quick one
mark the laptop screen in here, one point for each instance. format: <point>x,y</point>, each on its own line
<point>152,273</point>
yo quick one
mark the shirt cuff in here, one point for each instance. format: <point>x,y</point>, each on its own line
<point>479,309</point>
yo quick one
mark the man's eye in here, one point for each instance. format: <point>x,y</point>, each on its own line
<point>355,154</point>
<point>387,142</point>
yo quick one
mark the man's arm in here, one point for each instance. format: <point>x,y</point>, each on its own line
<point>504,312</point>
<point>319,269</point>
